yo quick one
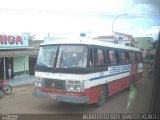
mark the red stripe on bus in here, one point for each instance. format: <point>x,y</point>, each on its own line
<point>118,85</point>
<point>93,94</point>
<point>134,69</point>
<point>54,91</point>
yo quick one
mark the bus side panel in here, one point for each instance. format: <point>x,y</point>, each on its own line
<point>118,85</point>
<point>134,69</point>
<point>93,94</point>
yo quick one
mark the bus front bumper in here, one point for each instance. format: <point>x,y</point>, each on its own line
<point>60,97</point>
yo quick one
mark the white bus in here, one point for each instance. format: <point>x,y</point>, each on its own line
<point>85,71</point>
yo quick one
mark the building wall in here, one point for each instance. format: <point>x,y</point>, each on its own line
<point>144,44</point>
<point>123,39</point>
<point>107,40</point>
<point>122,36</point>
<point>20,66</point>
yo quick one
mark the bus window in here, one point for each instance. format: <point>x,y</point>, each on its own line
<point>125,58</point>
<point>46,56</point>
<point>128,59</point>
<point>99,57</point>
<point>138,57</point>
<point>91,59</point>
<point>134,57</point>
<point>131,56</point>
<point>71,56</point>
<point>113,57</point>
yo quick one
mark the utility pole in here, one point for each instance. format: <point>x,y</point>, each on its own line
<point>114,22</point>
<point>4,67</point>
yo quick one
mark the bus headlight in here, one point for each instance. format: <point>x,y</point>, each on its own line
<point>38,82</point>
<point>74,86</point>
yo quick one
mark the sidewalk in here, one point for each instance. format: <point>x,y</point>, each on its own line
<point>22,80</point>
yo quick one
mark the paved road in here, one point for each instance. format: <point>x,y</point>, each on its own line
<point>22,101</point>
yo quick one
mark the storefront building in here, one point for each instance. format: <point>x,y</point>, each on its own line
<point>14,56</point>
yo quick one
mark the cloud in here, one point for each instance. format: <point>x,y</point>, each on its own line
<point>104,6</point>
<point>154,31</point>
<point>144,9</point>
<point>151,32</point>
<point>43,16</point>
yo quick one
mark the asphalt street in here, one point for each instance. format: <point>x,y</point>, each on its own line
<point>22,102</point>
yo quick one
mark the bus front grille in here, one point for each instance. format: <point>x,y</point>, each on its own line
<point>54,84</point>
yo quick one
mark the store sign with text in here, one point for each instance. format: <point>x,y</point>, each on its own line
<point>13,40</point>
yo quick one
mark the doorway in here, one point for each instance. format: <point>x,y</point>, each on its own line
<point>7,71</point>
<point>1,69</point>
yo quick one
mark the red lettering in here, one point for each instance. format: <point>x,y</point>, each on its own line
<point>5,39</point>
<point>19,40</point>
<point>11,39</point>
<point>1,39</point>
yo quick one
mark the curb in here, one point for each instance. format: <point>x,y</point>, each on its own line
<point>22,81</point>
<point>22,84</point>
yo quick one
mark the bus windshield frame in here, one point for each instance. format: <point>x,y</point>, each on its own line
<point>62,56</point>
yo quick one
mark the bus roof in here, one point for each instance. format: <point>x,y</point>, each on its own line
<point>90,42</point>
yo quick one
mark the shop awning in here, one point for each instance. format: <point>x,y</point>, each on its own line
<point>13,52</point>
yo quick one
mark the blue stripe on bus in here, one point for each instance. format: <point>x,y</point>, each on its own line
<point>100,77</point>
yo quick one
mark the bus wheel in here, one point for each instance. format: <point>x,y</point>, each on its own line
<point>102,96</point>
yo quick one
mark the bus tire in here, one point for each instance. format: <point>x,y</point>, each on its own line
<point>102,96</point>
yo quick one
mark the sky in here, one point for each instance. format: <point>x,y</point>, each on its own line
<point>95,17</point>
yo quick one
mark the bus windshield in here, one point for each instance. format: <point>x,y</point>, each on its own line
<point>69,56</point>
<point>72,56</point>
<point>46,56</point>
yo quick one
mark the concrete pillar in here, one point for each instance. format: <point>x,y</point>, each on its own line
<point>4,68</point>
